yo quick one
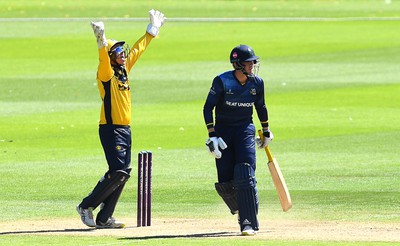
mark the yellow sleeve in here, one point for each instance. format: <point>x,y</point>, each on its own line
<point>104,70</point>
<point>137,50</point>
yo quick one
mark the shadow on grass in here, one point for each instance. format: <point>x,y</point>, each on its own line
<point>197,235</point>
<point>45,231</point>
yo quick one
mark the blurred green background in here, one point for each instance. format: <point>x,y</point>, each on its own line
<point>332,89</point>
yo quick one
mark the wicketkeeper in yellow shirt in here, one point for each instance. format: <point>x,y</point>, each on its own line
<point>116,60</point>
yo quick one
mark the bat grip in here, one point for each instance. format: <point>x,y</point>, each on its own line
<point>269,155</point>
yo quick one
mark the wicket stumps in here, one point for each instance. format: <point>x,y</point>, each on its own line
<point>144,188</point>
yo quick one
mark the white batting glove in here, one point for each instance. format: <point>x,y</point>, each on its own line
<point>212,146</point>
<point>157,19</point>
<point>262,143</point>
<point>222,144</point>
<point>99,32</point>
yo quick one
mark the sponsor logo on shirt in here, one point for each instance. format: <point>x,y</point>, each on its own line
<point>123,87</point>
<point>229,92</point>
<point>239,104</point>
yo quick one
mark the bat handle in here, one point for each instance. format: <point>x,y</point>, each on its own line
<point>269,155</point>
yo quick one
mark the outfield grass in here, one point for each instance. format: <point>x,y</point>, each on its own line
<point>332,93</point>
<point>204,8</point>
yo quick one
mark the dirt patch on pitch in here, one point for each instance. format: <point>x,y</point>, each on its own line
<point>197,228</point>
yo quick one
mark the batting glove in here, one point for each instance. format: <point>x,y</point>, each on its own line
<point>262,143</point>
<point>212,145</point>
<point>99,32</point>
<point>157,19</point>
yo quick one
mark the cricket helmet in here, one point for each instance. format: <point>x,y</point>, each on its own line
<point>115,47</point>
<point>112,45</point>
<point>243,53</point>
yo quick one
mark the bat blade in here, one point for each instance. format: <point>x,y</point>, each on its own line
<point>280,185</point>
<point>278,179</point>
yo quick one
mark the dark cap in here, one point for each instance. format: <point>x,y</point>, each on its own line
<point>242,53</point>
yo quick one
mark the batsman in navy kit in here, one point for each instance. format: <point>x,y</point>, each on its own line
<point>232,137</point>
<point>116,60</point>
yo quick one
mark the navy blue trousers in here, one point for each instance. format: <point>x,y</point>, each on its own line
<point>116,142</point>
<point>241,149</point>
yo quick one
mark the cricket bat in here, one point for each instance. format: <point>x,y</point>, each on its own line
<point>279,180</point>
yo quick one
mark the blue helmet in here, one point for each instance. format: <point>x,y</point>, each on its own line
<point>243,53</point>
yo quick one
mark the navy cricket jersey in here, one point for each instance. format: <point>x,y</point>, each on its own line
<point>233,102</point>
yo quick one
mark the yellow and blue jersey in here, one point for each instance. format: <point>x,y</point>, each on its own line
<point>113,84</point>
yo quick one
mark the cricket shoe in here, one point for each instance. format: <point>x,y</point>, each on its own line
<point>248,231</point>
<point>111,223</point>
<point>86,216</point>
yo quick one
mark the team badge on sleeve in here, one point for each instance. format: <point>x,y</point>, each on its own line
<point>212,91</point>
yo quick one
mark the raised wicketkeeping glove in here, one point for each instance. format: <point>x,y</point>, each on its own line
<point>99,32</point>
<point>262,143</point>
<point>157,19</point>
<point>212,145</point>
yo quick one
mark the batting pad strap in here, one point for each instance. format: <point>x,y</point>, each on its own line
<point>128,170</point>
<point>119,177</point>
<point>244,176</point>
<point>227,192</point>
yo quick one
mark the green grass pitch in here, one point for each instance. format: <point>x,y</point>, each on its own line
<point>332,90</point>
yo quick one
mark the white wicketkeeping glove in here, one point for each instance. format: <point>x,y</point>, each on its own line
<point>212,146</point>
<point>157,19</point>
<point>262,143</point>
<point>99,32</point>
